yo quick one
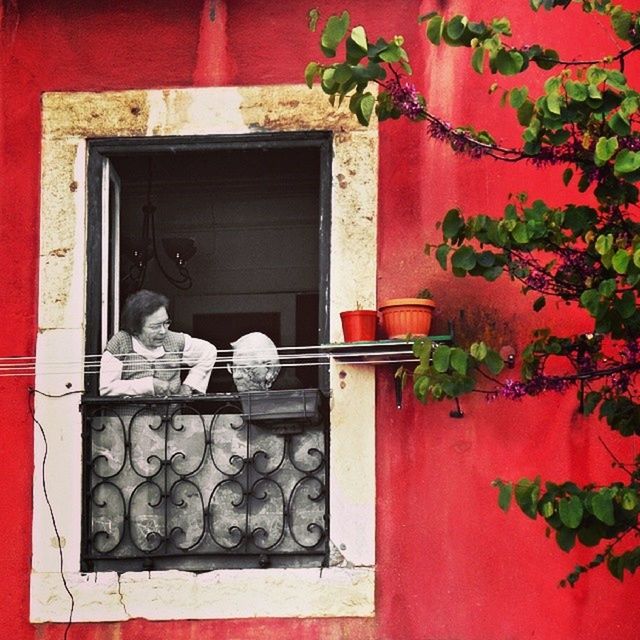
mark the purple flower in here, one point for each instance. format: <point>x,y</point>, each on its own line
<point>537,280</point>
<point>513,389</point>
<point>406,98</point>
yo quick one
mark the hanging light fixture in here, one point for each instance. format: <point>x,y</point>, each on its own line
<point>140,251</point>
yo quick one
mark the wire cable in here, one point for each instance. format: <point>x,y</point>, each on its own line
<point>32,411</point>
<point>318,355</point>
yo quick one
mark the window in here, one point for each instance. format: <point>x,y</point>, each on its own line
<point>193,485</point>
<point>70,122</point>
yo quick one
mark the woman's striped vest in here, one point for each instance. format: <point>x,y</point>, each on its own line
<point>135,366</point>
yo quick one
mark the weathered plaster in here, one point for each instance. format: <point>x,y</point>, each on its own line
<point>346,588</point>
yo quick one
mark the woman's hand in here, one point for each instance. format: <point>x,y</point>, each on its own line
<point>161,387</point>
<point>185,390</point>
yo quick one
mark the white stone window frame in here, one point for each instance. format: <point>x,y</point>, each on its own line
<point>346,587</point>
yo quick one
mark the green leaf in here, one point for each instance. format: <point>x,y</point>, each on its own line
<point>607,287</point>
<point>357,45</point>
<point>605,148</point>
<point>366,108</point>
<point>627,161</point>
<point>434,29</point>
<point>567,174</point>
<point>615,567</point>
<point>596,75</point>
<point>619,124</point>
<point>441,358</point>
<point>393,53</point>
<point>505,490</point>
<point>547,59</point>
<point>333,33</point>
<point>509,63</point>
<point>622,21</point>
<point>629,106</point>
<point>464,258</point>
<point>478,350</point>
<point>625,305</point>
<point>526,493</point>
<point>310,73</point>
<point>520,233</point>
<point>636,257</point>
<point>477,60</point>
<point>493,362</point>
<point>359,36</point>
<point>590,402</point>
<point>571,511</point>
<point>456,26</point>
<point>554,103</point>
<point>452,224</point>
<point>459,360</point>
<point>518,96</point>
<point>602,504</point>
<point>486,259</point>
<point>566,538</point>
<point>620,261</point>
<point>629,500</point>
<point>579,218</point>
<point>492,273</point>
<point>501,25</point>
<point>604,243</point>
<point>441,255</point>
<point>576,91</point>
<point>421,388</point>
<point>525,113</point>
<point>539,303</point>
<point>590,300</point>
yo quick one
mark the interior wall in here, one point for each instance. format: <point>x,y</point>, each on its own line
<point>254,217</point>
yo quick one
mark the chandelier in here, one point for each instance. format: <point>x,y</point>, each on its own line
<point>140,251</point>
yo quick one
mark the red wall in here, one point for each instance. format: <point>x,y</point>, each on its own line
<point>450,564</point>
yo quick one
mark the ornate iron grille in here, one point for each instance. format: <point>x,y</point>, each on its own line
<point>196,484</point>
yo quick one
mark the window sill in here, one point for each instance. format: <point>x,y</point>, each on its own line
<point>380,351</point>
<point>223,594</point>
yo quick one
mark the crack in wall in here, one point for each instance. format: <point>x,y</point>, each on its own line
<point>121,597</point>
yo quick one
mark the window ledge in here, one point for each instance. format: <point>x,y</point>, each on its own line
<point>379,351</point>
<point>222,594</point>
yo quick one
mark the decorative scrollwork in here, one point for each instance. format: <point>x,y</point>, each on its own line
<point>312,489</point>
<point>168,480</point>
<point>108,510</point>
<point>186,515</point>
<point>147,526</point>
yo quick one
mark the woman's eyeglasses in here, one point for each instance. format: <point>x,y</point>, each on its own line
<point>159,325</point>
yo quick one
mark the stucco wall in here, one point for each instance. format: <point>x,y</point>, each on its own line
<point>449,563</point>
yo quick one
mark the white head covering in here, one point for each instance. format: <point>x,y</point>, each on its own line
<point>255,362</point>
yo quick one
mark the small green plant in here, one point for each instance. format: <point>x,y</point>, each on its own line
<point>425,294</point>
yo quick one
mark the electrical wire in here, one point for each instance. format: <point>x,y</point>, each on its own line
<point>318,355</point>
<point>32,411</point>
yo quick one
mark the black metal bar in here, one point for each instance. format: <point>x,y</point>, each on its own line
<point>164,502</point>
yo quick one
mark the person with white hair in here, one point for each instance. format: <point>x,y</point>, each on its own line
<point>255,362</point>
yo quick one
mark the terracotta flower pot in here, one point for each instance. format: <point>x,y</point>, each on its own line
<point>359,325</point>
<point>402,317</point>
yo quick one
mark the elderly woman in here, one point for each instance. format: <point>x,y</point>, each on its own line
<point>255,362</point>
<point>145,358</point>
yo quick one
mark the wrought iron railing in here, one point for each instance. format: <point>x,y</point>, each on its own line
<point>201,483</point>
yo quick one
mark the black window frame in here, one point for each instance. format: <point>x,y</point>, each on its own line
<point>101,148</point>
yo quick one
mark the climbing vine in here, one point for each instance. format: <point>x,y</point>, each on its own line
<point>587,119</point>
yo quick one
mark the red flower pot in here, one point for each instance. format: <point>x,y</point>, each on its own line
<point>359,325</point>
<point>402,317</point>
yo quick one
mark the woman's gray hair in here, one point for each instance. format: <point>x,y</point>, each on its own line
<point>138,307</point>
